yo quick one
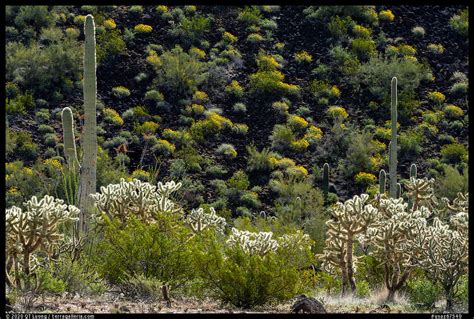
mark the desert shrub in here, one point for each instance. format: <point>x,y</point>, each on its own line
<point>338,27</point>
<point>226,150</point>
<point>252,269</point>
<point>143,28</point>
<point>239,180</point>
<point>410,144</point>
<point>451,182</point>
<point>282,137</point>
<point>363,48</point>
<point>297,123</point>
<point>180,73</point>
<point>263,161</point>
<point>19,104</point>
<point>109,43</point>
<point>435,48</point>
<point>376,74</point>
<point>120,92</point>
<point>250,15</point>
<point>418,31</point>
<point>303,57</point>
<point>337,113</point>
<point>163,147</point>
<point>268,79</point>
<point>361,31</point>
<point>424,293</point>
<point>143,288</point>
<point>111,116</point>
<point>365,179</point>
<point>460,22</point>
<point>454,153</point>
<point>46,70</point>
<point>436,97</point>
<point>255,38</point>
<point>110,24</point>
<point>453,111</point>
<point>154,95</point>
<point>156,250</point>
<point>281,107</point>
<point>194,28</point>
<point>386,15</point>
<point>234,89</point>
<point>147,128</point>
<point>239,108</point>
<point>213,124</point>
<point>359,154</point>
<point>344,60</point>
<point>459,88</point>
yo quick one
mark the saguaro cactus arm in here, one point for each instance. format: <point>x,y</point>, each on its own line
<point>393,143</point>
<point>69,139</point>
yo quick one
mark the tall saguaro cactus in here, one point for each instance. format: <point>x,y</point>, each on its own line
<point>326,181</point>
<point>393,143</point>
<point>89,137</point>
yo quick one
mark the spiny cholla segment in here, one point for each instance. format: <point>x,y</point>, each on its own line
<point>199,220</point>
<point>37,224</point>
<point>135,198</point>
<point>259,243</point>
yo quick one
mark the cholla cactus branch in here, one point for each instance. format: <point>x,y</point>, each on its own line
<point>260,243</point>
<point>198,220</point>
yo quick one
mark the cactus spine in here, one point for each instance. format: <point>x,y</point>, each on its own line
<point>325,181</point>
<point>382,181</point>
<point>393,143</point>
<point>89,138</point>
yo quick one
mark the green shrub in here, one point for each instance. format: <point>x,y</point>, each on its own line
<point>451,182</point>
<point>247,279</point>
<point>111,116</point>
<point>303,56</point>
<point>154,250</point>
<point>453,111</point>
<point>454,153</point>
<point>418,31</point>
<point>195,27</point>
<point>386,15</point>
<point>337,113</point>
<point>338,27</point>
<point>234,89</point>
<point>255,38</point>
<point>262,161</point>
<point>364,48</point>
<point>20,104</point>
<point>143,28</point>
<point>424,293</point>
<point>410,144</point>
<point>377,73</point>
<point>163,147</point>
<point>460,22</point>
<point>227,150</point>
<point>250,15</point>
<point>282,137</point>
<point>109,43</point>
<point>459,88</point>
<point>239,180</point>
<point>180,73</point>
<point>121,92</point>
<point>142,288</point>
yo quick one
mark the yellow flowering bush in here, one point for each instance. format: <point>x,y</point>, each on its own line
<point>161,9</point>
<point>337,112</point>
<point>284,163</point>
<point>147,128</point>
<point>163,147</point>
<point>229,37</point>
<point>200,54</point>
<point>303,56</point>
<point>143,28</point>
<point>335,92</point>
<point>297,122</point>
<point>436,97</point>
<point>453,111</point>
<point>386,15</point>
<point>406,49</point>
<point>154,59</point>
<point>110,24</point>
<point>365,179</point>
<point>361,31</point>
<point>111,116</point>
<point>300,145</point>
<point>140,174</point>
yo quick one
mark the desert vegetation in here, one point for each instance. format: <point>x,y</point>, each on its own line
<point>205,159</point>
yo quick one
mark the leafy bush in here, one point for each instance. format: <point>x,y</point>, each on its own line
<point>451,182</point>
<point>234,89</point>
<point>143,28</point>
<point>410,144</point>
<point>303,56</point>
<point>250,15</point>
<point>454,153</point>
<point>226,150</point>
<point>252,269</point>
<point>337,113</point>
<point>386,15</point>
<point>460,22</point>
<point>121,91</point>
<point>453,111</point>
<point>109,43</point>
<point>111,116</point>
<point>423,293</point>
<point>137,248</point>
<point>262,161</point>
<point>418,31</point>
<point>436,97</point>
<point>364,48</point>
<point>180,73</point>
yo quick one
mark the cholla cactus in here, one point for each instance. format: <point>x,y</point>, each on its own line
<point>198,220</point>
<point>259,243</point>
<point>442,252</point>
<point>32,229</point>
<point>137,198</point>
<point>349,219</point>
<point>420,191</point>
<point>387,236</point>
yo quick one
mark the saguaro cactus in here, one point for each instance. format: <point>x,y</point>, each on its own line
<point>413,171</point>
<point>382,181</point>
<point>393,142</point>
<point>326,181</point>
<point>89,137</point>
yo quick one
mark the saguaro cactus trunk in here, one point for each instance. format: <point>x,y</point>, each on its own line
<point>393,143</point>
<point>89,141</point>
<point>87,170</point>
